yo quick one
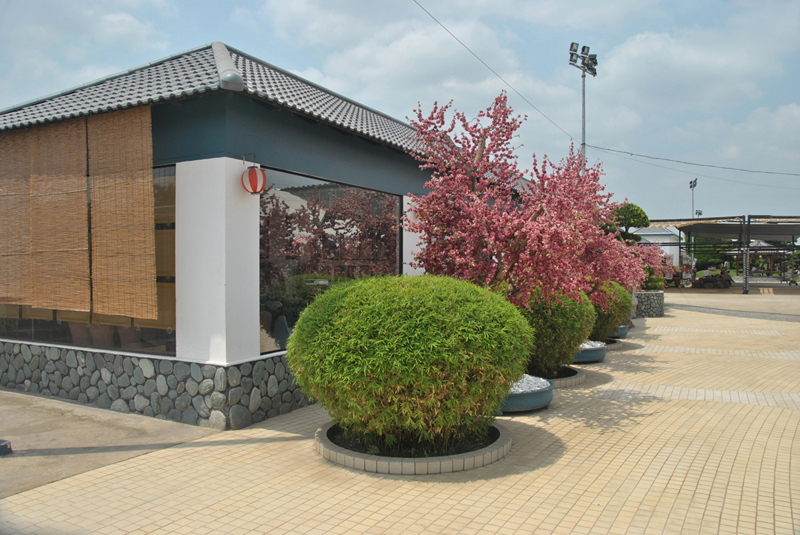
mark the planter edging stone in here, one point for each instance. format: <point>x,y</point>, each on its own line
<point>414,465</point>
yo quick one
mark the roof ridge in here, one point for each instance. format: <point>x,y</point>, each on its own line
<point>316,86</point>
<point>229,76</point>
<point>212,67</point>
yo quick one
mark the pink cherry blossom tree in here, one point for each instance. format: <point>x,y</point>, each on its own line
<point>653,258</point>
<point>488,222</point>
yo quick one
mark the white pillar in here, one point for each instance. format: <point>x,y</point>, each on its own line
<point>216,263</point>
<point>410,240</point>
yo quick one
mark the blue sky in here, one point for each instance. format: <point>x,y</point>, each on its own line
<point>710,82</point>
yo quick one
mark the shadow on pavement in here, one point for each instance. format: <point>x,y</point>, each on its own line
<point>46,452</point>
<point>770,316</point>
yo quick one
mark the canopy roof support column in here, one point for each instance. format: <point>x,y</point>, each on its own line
<point>746,289</point>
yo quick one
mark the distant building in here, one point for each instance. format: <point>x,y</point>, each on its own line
<point>667,237</point>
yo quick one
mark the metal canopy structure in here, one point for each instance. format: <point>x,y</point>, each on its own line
<point>766,228</point>
<point>743,230</point>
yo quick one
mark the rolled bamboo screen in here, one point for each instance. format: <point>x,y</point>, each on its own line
<point>59,242</point>
<point>166,309</point>
<point>123,223</point>
<point>15,254</point>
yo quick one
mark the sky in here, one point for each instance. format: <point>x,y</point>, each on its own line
<point>713,82</point>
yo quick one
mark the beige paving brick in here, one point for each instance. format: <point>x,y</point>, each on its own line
<point>692,430</point>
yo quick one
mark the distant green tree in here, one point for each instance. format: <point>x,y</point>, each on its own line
<point>631,216</point>
<point>711,251</point>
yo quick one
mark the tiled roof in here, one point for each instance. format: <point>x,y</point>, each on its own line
<point>198,71</point>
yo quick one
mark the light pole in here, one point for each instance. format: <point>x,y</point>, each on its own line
<point>588,64</point>
<point>692,185</point>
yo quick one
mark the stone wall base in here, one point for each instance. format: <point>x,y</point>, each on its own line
<point>650,304</point>
<point>222,397</point>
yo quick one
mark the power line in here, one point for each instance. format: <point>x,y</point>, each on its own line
<point>605,149</point>
<point>492,70</point>
<point>691,163</point>
<point>613,153</point>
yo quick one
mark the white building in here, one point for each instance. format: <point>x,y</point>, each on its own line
<point>668,237</point>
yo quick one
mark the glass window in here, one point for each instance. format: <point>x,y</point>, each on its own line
<point>313,235</point>
<point>99,331</point>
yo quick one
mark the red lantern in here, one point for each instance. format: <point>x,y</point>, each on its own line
<point>254,180</point>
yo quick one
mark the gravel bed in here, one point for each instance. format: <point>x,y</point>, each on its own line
<point>529,383</point>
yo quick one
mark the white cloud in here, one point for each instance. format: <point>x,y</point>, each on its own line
<point>769,138</point>
<point>51,46</point>
<point>242,15</point>
<point>702,68</point>
<point>681,74</point>
<point>122,27</point>
<point>332,23</point>
<point>575,14</point>
<point>392,70</point>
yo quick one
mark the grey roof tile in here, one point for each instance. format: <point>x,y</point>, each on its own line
<point>196,71</point>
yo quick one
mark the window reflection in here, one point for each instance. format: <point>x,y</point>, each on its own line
<point>313,235</point>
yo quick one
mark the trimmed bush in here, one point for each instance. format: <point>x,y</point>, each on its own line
<point>617,311</point>
<point>410,360</point>
<point>654,282</point>
<point>560,330</point>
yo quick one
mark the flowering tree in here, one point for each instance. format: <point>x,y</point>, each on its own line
<point>653,258</point>
<point>343,231</point>
<point>484,222</point>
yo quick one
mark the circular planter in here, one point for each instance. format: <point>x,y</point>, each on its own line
<point>593,354</point>
<point>622,332</point>
<point>528,401</point>
<point>412,466</point>
<point>573,380</point>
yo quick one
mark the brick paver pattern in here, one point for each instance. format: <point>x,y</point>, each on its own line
<point>692,427</point>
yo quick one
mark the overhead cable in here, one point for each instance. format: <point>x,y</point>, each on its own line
<point>625,153</point>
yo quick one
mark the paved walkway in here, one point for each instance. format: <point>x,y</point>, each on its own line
<point>692,427</point>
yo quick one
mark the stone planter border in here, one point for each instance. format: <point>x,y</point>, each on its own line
<point>566,382</point>
<point>412,466</point>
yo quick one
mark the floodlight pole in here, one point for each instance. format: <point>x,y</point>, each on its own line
<point>588,63</point>
<point>583,119</point>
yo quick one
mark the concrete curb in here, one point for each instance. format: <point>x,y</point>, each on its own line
<point>566,382</point>
<point>412,466</point>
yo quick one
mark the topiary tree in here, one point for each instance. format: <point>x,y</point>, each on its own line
<point>630,216</point>
<point>423,360</point>
<point>561,327</point>
<point>616,312</point>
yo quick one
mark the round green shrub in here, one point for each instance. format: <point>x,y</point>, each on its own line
<point>561,327</point>
<point>616,313</point>
<point>410,359</point>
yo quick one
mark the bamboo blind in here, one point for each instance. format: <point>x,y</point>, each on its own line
<point>166,309</point>
<point>9,311</point>
<point>15,255</point>
<point>59,241</point>
<point>123,224</point>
